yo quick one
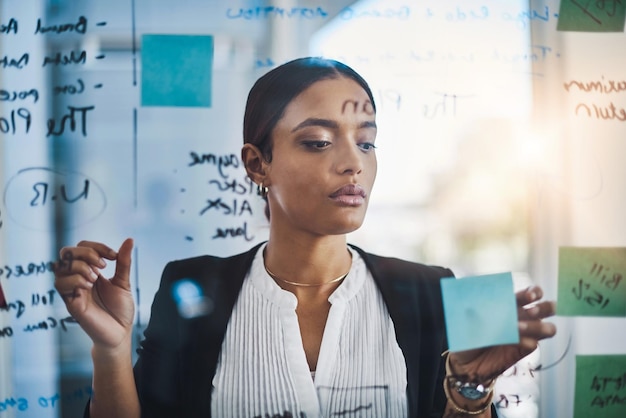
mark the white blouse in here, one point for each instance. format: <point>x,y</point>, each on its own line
<point>262,369</point>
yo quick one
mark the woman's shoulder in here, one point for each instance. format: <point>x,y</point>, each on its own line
<point>400,268</point>
<point>212,264</point>
<point>409,288</point>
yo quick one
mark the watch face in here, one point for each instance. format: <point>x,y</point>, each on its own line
<point>472,391</point>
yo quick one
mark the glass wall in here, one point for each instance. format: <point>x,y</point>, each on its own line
<point>123,118</point>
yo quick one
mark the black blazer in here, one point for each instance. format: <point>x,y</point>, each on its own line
<point>178,357</point>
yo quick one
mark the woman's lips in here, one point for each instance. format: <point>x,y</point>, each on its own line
<point>350,194</point>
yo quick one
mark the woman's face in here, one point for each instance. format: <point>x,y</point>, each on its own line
<point>323,161</point>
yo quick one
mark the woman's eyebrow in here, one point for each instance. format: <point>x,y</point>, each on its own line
<point>324,123</point>
<point>368,124</point>
<point>331,124</point>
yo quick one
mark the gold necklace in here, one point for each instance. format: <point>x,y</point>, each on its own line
<point>338,279</point>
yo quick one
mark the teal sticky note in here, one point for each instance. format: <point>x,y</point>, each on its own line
<point>176,70</point>
<point>600,386</point>
<point>480,311</point>
<point>591,281</point>
<point>591,16</point>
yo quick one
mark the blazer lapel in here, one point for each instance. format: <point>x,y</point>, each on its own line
<point>222,279</point>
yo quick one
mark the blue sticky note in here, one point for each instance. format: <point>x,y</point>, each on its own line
<point>480,311</point>
<point>176,70</point>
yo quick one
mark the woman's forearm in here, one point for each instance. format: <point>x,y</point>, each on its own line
<point>114,391</point>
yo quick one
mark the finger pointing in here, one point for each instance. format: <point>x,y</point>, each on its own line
<point>122,266</point>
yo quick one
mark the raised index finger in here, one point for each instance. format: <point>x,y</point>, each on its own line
<point>122,267</point>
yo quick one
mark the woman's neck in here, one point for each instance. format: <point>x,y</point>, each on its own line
<point>307,260</point>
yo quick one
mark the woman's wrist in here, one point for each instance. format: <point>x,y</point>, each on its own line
<point>120,355</point>
<point>466,407</point>
<point>465,372</point>
<point>468,392</point>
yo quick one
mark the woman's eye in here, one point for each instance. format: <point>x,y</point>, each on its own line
<point>317,144</point>
<point>367,146</point>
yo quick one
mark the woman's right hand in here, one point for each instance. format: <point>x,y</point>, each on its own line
<point>103,307</point>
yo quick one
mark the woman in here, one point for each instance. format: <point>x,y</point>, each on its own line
<point>303,325</point>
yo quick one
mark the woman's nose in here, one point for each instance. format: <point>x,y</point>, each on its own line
<point>349,158</point>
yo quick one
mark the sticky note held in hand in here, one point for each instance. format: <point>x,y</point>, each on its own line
<point>480,311</point>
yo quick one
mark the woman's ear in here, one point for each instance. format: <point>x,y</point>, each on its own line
<point>255,163</point>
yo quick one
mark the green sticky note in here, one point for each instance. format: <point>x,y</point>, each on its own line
<point>480,311</point>
<point>600,386</point>
<point>176,70</point>
<point>591,16</point>
<point>591,281</point>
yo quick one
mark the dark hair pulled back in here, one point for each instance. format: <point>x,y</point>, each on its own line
<point>271,94</point>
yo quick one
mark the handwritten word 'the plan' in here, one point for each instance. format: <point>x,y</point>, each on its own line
<point>18,121</point>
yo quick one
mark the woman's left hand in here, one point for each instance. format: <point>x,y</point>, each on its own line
<point>482,365</point>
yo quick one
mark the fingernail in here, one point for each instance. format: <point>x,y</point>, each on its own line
<point>94,274</point>
<point>534,310</point>
<point>102,263</point>
<point>522,326</point>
